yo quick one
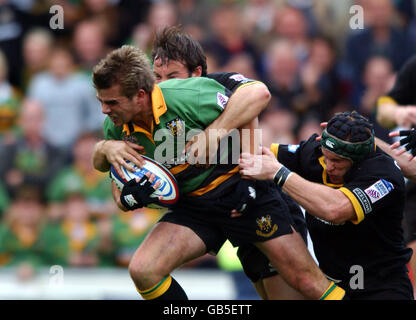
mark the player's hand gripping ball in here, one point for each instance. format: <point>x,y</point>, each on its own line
<point>143,192</point>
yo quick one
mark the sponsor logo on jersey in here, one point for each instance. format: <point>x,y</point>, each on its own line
<point>222,100</point>
<point>362,198</point>
<point>378,190</point>
<point>239,78</point>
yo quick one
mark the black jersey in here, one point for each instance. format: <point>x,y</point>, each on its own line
<point>403,91</point>
<point>375,187</point>
<point>231,80</point>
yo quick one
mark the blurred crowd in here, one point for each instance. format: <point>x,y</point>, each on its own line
<point>55,208</point>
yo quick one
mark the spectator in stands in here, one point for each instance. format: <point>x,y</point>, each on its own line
<point>10,98</point>
<point>291,24</point>
<point>12,27</point>
<point>21,241</point>
<point>69,100</point>
<point>280,125</point>
<point>379,37</point>
<point>80,232</point>
<point>258,16</point>
<point>161,14</point>
<point>228,38</point>
<point>310,126</point>
<point>37,47</point>
<point>129,229</point>
<point>29,158</point>
<point>95,185</point>
<point>284,79</point>
<point>89,44</point>
<point>378,79</point>
<point>320,79</point>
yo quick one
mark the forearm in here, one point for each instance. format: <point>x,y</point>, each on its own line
<point>99,158</point>
<point>116,196</point>
<point>243,106</point>
<point>319,200</point>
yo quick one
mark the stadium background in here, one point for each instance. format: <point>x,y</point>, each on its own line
<point>61,235</point>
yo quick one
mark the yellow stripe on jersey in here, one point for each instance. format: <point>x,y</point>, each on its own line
<point>157,290</point>
<point>275,149</point>
<point>179,168</point>
<point>386,99</point>
<point>356,204</point>
<point>247,84</point>
<point>215,183</point>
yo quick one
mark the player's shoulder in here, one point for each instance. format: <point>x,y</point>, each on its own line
<point>231,80</point>
<point>380,164</point>
<point>311,145</point>
<point>193,83</point>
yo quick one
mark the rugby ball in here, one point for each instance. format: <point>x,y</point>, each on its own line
<point>168,188</point>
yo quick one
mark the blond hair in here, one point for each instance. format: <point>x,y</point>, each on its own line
<point>127,66</point>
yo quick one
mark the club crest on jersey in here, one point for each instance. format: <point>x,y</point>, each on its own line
<point>130,138</point>
<point>176,126</point>
<point>379,190</point>
<point>266,228</point>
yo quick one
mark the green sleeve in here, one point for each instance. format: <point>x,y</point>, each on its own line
<point>212,100</point>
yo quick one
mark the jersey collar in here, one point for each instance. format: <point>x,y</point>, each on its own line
<point>158,103</point>
<point>159,108</point>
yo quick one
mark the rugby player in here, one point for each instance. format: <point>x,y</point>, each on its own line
<point>136,109</point>
<point>354,197</point>
<point>176,55</point>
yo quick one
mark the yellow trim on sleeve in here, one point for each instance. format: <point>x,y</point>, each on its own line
<point>275,149</point>
<point>356,204</point>
<point>157,290</point>
<point>247,84</point>
<point>386,99</point>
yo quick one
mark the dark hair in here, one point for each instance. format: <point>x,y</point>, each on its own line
<point>127,66</point>
<point>171,43</point>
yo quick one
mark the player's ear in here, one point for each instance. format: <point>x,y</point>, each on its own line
<point>197,72</point>
<point>139,95</point>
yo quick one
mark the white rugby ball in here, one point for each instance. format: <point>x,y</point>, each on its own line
<point>168,188</point>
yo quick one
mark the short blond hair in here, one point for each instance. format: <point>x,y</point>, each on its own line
<point>127,66</point>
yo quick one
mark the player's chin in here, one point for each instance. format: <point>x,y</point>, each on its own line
<point>117,122</point>
<point>335,179</point>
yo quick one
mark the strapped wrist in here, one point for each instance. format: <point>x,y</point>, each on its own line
<point>281,176</point>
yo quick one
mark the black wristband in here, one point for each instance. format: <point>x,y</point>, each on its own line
<point>281,176</point>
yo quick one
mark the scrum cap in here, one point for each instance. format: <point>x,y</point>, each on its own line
<point>349,135</point>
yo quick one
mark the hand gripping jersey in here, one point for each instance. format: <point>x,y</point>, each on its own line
<point>375,187</point>
<point>182,108</point>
